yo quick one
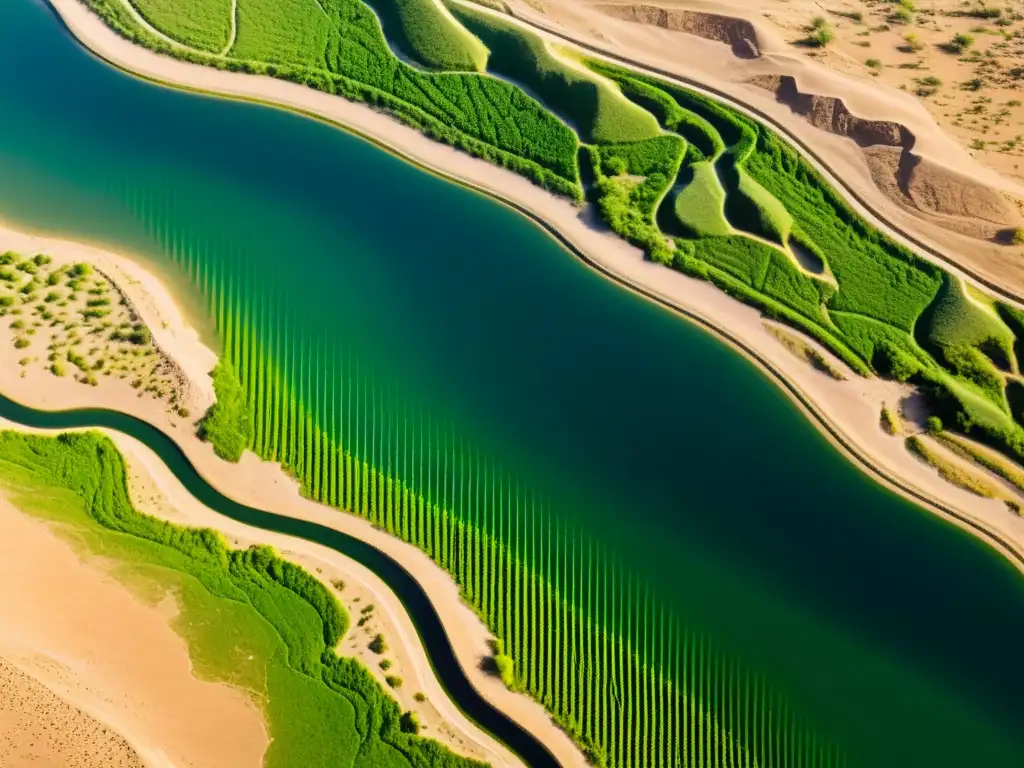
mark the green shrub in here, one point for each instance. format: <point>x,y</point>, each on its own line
<point>410,723</point>
<point>385,665</point>
<point>393,681</point>
<point>960,43</point>
<point>933,425</point>
<point>228,424</point>
<point>506,669</point>
<point>378,645</point>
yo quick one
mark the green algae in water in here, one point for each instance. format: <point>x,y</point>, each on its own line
<point>615,492</point>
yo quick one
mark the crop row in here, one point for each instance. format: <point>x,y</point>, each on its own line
<point>617,668</point>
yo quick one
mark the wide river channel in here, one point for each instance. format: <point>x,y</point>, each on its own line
<point>895,636</point>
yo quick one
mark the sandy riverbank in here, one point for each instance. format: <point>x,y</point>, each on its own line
<point>849,409</point>
<point>105,657</point>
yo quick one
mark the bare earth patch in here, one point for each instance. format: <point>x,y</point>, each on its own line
<point>38,728</point>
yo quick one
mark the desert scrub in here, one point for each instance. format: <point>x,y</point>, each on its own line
<point>949,471</point>
<point>235,604</point>
<point>890,422</point>
<point>393,681</point>
<point>378,645</point>
<point>228,424</point>
<point>1001,467</point>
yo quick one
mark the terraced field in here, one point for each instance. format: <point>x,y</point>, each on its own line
<point>702,189</point>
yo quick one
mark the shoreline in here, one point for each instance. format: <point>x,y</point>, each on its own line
<point>264,485</point>
<point>830,403</point>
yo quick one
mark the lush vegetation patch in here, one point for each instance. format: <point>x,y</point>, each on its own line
<point>228,425</point>
<point>700,205</point>
<point>959,322</point>
<point>592,104</point>
<point>201,24</point>
<point>428,34</point>
<point>250,618</point>
<point>629,182</point>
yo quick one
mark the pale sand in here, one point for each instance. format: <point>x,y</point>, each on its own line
<point>38,728</point>
<point>849,409</point>
<point>71,627</point>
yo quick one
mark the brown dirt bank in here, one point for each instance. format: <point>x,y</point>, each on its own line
<point>922,186</point>
<point>739,34</point>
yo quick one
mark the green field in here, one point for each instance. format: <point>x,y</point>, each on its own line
<point>424,30</point>
<point>201,24</point>
<point>250,618</point>
<point>593,105</point>
<point>700,205</point>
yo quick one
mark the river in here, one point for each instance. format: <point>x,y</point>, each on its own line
<point>818,618</point>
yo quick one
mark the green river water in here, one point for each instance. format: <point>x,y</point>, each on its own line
<point>685,515</point>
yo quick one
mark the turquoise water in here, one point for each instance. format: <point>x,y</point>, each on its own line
<point>696,524</point>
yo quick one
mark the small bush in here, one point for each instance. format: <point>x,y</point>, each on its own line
<point>420,697</point>
<point>409,723</point>
<point>57,369</point>
<point>873,63</point>
<point>378,645</point>
<point>228,425</point>
<point>1017,238</point>
<point>385,665</point>
<point>394,681</point>
<point>506,669</point>
<point>21,342</point>
<point>960,43</point>
<point>933,425</point>
<point>81,269</point>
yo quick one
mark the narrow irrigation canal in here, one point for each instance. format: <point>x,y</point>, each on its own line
<point>680,563</point>
<point>428,623</point>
